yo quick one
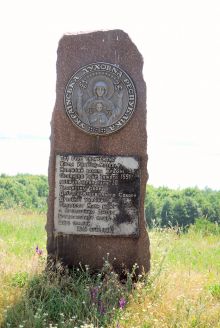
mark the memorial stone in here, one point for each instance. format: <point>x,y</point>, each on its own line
<point>98,158</point>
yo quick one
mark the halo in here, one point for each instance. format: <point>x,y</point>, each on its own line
<point>101,78</point>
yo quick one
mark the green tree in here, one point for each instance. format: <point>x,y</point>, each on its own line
<point>186,210</point>
<point>23,190</point>
<point>167,213</point>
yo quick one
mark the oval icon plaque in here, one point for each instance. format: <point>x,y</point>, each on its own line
<point>100,98</point>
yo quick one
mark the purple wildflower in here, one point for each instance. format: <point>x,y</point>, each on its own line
<point>38,251</point>
<point>94,294</point>
<point>122,303</point>
<point>101,307</point>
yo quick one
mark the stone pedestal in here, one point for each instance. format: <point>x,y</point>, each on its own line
<point>118,154</point>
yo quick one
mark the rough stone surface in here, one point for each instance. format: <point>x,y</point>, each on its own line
<point>75,51</point>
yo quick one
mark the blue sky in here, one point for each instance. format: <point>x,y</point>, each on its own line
<point>180,43</point>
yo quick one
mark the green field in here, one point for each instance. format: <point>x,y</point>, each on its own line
<point>182,290</point>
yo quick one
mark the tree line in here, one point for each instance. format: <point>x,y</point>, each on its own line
<point>166,207</point>
<point>23,190</point>
<point>163,206</point>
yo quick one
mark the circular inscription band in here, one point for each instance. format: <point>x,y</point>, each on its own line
<point>100,98</point>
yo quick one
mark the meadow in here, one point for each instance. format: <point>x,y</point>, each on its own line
<point>182,289</point>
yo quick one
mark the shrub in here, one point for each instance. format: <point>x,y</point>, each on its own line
<point>205,227</point>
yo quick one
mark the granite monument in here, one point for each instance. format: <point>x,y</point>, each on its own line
<point>98,158</point>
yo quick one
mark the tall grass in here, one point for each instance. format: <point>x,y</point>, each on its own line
<point>19,234</point>
<point>183,288</point>
<point>64,298</point>
<point>181,291</point>
<point>37,297</point>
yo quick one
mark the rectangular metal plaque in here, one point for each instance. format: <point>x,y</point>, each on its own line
<point>97,195</point>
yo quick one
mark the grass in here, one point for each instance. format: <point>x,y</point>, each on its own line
<point>20,232</point>
<point>182,290</point>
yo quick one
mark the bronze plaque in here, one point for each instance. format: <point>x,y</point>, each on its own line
<point>100,98</point>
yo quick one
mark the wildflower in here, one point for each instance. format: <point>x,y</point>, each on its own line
<point>94,293</point>
<point>38,251</point>
<point>122,303</point>
<point>101,307</point>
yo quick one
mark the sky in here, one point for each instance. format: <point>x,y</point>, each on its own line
<point>180,43</point>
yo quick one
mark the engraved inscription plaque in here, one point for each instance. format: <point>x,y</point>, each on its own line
<point>97,195</point>
<point>100,98</point>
